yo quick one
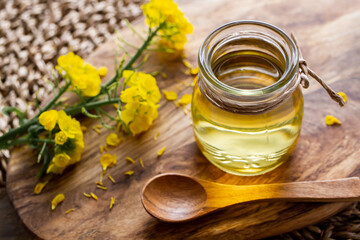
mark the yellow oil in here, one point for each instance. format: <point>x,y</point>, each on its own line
<point>244,144</point>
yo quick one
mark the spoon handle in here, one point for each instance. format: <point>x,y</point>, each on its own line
<point>222,195</point>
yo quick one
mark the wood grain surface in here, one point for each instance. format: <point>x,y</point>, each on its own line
<point>328,32</point>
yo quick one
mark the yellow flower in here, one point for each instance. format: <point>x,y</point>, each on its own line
<point>69,144</point>
<point>141,100</point>
<point>141,85</point>
<point>185,100</point>
<point>59,163</point>
<point>107,160</point>
<point>83,76</point>
<point>75,154</point>
<point>102,71</point>
<point>170,95</point>
<point>174,25</point>
<point>60,138</point>
<point>343,95</point>
<point>113,140</point>
<point>68,125</point>
<point>57,199</point>
<point>48,119</point>
<point>331,120</point>
<point>139,116</point>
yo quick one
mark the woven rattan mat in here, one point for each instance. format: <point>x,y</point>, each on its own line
<point>34,33</point>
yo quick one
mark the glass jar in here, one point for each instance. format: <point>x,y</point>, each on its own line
<point>247,105</point>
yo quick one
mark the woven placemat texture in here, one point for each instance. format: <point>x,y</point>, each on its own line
<point>34,33</point>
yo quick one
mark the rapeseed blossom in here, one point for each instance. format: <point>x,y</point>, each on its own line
<point>48,119</point>
<point>141,100</point>
<point>171,20</point>
<point>69,141</point>
<point>82,75</point>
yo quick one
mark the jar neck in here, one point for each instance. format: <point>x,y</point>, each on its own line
<point>251,36</point>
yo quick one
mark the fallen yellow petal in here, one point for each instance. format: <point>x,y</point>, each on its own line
<point>101,149</point>
<point>113,140</point>
<point>331,120</point>
<point>57,200</point>
<point>101,187</point>
<point>116,105</point>
<point>195,80</point>
<point>118,127</point>
<point>170,95</point>
<point>161,151</point>
<point>70,210</point>
<point>83,128</point>
<point>93,196</point>
<point>129,159</point>
<point>156,135</point>
<point>186,111</point>
<point>129,173</point>
<point>194,71</point>
<point>107,161</point>
<point>39,187</point>
<point>185,100</point>
<point>112,202</point>
<point>111,178</point>
<point>106,148</point>
<point>187,64</point>
<point>97,130</point>
<point>141,162</point>
<point>99,183</point>
<point>87,195</point>
<point>343,95</point>
<point>101,176</point>
<point>64,99</point>
<point>163,75</point>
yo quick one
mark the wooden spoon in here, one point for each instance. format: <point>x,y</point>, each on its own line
<point>175,197</point>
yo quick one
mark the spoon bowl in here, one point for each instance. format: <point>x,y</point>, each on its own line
<point>173,197</point>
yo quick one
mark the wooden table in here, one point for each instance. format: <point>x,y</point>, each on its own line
<point>316,25</point>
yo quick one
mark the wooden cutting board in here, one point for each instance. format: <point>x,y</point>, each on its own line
<point>328,32</point>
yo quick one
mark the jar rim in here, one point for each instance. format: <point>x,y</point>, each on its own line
<point>290,68</point>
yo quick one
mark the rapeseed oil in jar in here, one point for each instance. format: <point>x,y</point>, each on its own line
<point>246,143</point>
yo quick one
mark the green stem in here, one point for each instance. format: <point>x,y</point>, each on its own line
<point>42,140</point>
<point>137,55</point>
<point>24,140</point>
<point>90,105</point>
<point>13,133</point>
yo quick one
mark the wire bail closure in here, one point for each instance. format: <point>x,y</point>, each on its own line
<point>305,72</point>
